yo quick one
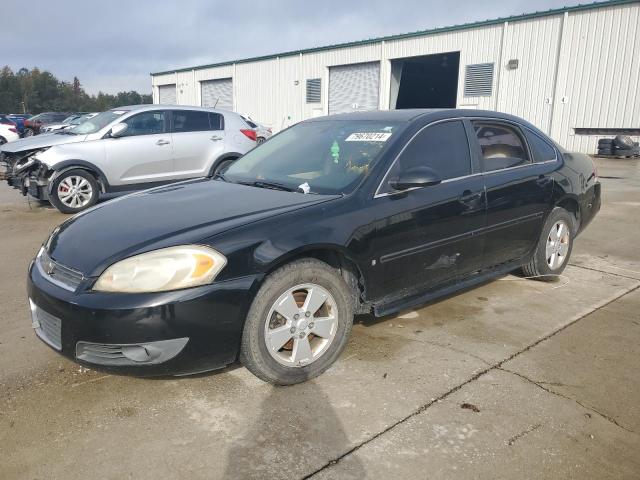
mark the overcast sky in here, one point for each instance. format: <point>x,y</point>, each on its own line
<point>113,45</point>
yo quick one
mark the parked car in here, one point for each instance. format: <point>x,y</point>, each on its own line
<point>69,122</point>
<point>8,133</point>
<point>126,148</point>
<point>262,132</point>
<point>33,125</point>
<point>19,120</point>
<point>369,212</point>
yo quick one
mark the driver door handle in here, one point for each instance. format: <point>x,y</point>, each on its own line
<point>468,197</point>
<point>215,138</point>
<point>162,142</point>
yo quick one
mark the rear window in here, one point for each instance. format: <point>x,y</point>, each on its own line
<point>502,146</point>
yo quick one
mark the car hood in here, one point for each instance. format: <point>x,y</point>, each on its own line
<point>183,213</point>
<point>40,141</point>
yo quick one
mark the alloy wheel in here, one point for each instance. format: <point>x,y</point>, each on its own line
<point>557,245</point>
<point>301,325</point>
<point>75,191</point>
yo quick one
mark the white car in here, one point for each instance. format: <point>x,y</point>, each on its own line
<point>124,149</point>
<point>8,133</point>
<point>262,132</point>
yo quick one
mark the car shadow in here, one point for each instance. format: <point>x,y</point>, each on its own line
<point>295,432</point>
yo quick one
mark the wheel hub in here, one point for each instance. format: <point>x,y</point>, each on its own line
<point>301,325</point>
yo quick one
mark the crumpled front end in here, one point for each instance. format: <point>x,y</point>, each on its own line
<point>22,171</point>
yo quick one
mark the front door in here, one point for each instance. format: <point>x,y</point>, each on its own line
<point>144,153</point>
<point>198,139</point>
<point>426,237</point>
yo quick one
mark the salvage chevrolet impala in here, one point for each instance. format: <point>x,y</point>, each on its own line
<point>269,261</point>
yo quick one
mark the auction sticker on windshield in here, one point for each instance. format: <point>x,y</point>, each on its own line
<point>368,137</point>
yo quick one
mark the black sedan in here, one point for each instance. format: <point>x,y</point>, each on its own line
<point>268,263</point>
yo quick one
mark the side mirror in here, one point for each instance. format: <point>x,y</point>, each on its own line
<point>118,130</point>
<point>415,177</point>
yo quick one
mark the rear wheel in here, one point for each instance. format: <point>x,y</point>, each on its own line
<point>554,246</point>
<point>74,191</point>
<point>298,324</point>
<point>28,132</point>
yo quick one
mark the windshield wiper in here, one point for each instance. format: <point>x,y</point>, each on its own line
<point>220,176</point>
<point>271,185</point>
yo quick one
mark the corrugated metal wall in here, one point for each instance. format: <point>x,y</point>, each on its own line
<point>575,70</point>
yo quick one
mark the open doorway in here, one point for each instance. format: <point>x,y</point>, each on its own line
<point>429,81</point>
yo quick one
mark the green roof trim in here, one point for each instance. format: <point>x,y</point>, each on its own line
<point>419,33</point>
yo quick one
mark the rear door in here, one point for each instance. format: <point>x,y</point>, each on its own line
<point>519,191</point>
<point>143,154</point>
<point>198,139</point>
<point>426,237</point>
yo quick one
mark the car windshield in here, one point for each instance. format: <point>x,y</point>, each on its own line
<point>79,120</point>
<point>70,119</point>
<point>326,157</point>
<point>98,122</point>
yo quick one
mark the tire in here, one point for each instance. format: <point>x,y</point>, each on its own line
<point>3,140</point>
<point>605,151</point>
<point>623,142</point>
<point>539,266</point>
<point>85,197</point>
<point>28,132</point>
<point>326,340</point>
<point>608,142</point>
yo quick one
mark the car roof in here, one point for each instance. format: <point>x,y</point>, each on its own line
<point>407,115</point>
<point>156,106</point>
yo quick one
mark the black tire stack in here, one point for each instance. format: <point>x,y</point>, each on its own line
<point>620,146</point>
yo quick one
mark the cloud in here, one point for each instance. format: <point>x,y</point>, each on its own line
<point>113,46</point>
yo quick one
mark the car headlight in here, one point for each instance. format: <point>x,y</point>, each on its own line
<point>162,270</point>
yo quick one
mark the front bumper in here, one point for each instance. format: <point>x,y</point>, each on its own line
<point>210,318</point>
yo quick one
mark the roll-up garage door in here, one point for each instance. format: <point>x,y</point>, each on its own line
<point>217,93</point>
<point>354,87</point>
<point>167,94</point>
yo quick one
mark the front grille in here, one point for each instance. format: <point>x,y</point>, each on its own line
<point>47,327</point>
<point>57,273</point>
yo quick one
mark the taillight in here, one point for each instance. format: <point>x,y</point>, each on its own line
<point>250,134</point>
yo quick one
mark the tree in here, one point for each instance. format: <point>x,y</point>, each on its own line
<point>36,91</point>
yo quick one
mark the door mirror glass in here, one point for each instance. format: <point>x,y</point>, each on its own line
<point>415,177</point>
<point>118,130</point>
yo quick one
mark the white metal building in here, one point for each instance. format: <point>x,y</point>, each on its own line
<point>573,72</point>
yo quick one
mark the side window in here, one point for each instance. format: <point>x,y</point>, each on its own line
<point>442,147</point>
<point>190,121</point>
<point>540,149</point>
<point>502,146</point>
<point>146,123</point>
<point>216,121</point>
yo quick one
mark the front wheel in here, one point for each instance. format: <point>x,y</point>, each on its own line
<point>298,324</point>
<point>74,191</point>
<point>554,246</point>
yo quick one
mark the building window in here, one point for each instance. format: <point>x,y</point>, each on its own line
<point>313,90</point>
<point>478,80</point>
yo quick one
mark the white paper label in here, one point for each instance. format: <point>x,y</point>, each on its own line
<point>368,137</point>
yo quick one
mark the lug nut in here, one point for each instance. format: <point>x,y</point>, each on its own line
<point>292,329</point>
<point>296,316</point>
<point>307,314</point>
<point>310,324</point>
<point>301,335</point>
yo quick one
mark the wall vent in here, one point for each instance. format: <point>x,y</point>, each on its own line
<point>313,90</point>
<point>478,80</point>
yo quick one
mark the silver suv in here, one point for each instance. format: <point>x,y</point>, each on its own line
<point>127,148</point>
